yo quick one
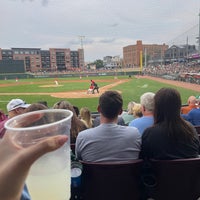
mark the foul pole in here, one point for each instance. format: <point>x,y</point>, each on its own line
<point>141,64</point>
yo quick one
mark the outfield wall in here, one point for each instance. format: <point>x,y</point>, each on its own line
<point>7,76</point>
<point>86,74</point>
<point>15,75</point>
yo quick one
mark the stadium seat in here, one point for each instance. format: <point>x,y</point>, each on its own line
<point>176,179</point>
<point>111,181</point>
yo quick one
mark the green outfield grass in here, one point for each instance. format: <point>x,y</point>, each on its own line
<point>131,91</point>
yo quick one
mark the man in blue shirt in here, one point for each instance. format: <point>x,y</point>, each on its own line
<point>193,116</point>
<point>147,103</point>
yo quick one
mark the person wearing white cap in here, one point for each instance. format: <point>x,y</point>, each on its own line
<point>16,107</point>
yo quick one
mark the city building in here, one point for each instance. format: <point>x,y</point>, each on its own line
<point>37,60</point>
<point>179,53</point>
<point>149,52</point>
<point>112,62</point>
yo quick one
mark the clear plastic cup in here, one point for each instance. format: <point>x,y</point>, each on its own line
<point>49,177</point>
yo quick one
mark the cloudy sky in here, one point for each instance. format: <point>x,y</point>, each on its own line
<point>105,26</point>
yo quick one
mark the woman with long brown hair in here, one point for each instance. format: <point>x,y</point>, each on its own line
<point>170,137</point>
<point>76,124</point>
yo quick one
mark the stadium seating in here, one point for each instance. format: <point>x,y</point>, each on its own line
<point>107,181</point>
<point>176,179</point>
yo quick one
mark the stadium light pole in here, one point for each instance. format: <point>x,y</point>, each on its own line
<point>199,34</point>
<point>81,37</point>
<point>145,57</point>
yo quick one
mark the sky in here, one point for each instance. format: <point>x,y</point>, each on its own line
<point>101,27</point>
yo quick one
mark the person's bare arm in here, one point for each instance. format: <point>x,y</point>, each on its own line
<point>16,162</point>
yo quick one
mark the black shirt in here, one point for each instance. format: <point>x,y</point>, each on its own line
<point>157,144</point>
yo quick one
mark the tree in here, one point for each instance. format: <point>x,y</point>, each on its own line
<point>98,63</point>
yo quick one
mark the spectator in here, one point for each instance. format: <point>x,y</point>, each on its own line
<point>61,104</point>
<point>191,105</point>
<point>16,107</point>
<point>128,116</point>
<point>76,124</point>
<point>194,115</point>
<point>3,119</point>
<point>137,110</point>
<point>3,116</point>
<point>35,106</point>
<point>120,121</point>
<point>44,103</point>
<point>76,110</point>
<point>86,117</point>
<point>147,106</point>
<point>109,141</point>
<point>170,137</point>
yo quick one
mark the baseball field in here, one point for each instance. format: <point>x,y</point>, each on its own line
<point>74,90</point>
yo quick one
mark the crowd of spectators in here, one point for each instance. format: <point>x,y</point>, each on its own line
<point>83,71</point>
<point>158,131</point>
<point>176,71</point>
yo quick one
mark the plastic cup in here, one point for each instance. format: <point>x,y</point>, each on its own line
<point>76,171</point>
<point>49,177</point>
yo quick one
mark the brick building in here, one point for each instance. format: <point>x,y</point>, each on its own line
<point>54,59</point>
<point>131,53</point>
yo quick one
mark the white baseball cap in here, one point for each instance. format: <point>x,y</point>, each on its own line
<point>16,103</point>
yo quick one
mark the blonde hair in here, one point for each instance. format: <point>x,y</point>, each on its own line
<point>137,110</point>
<point>130,107</point>
<point>86,117</point>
